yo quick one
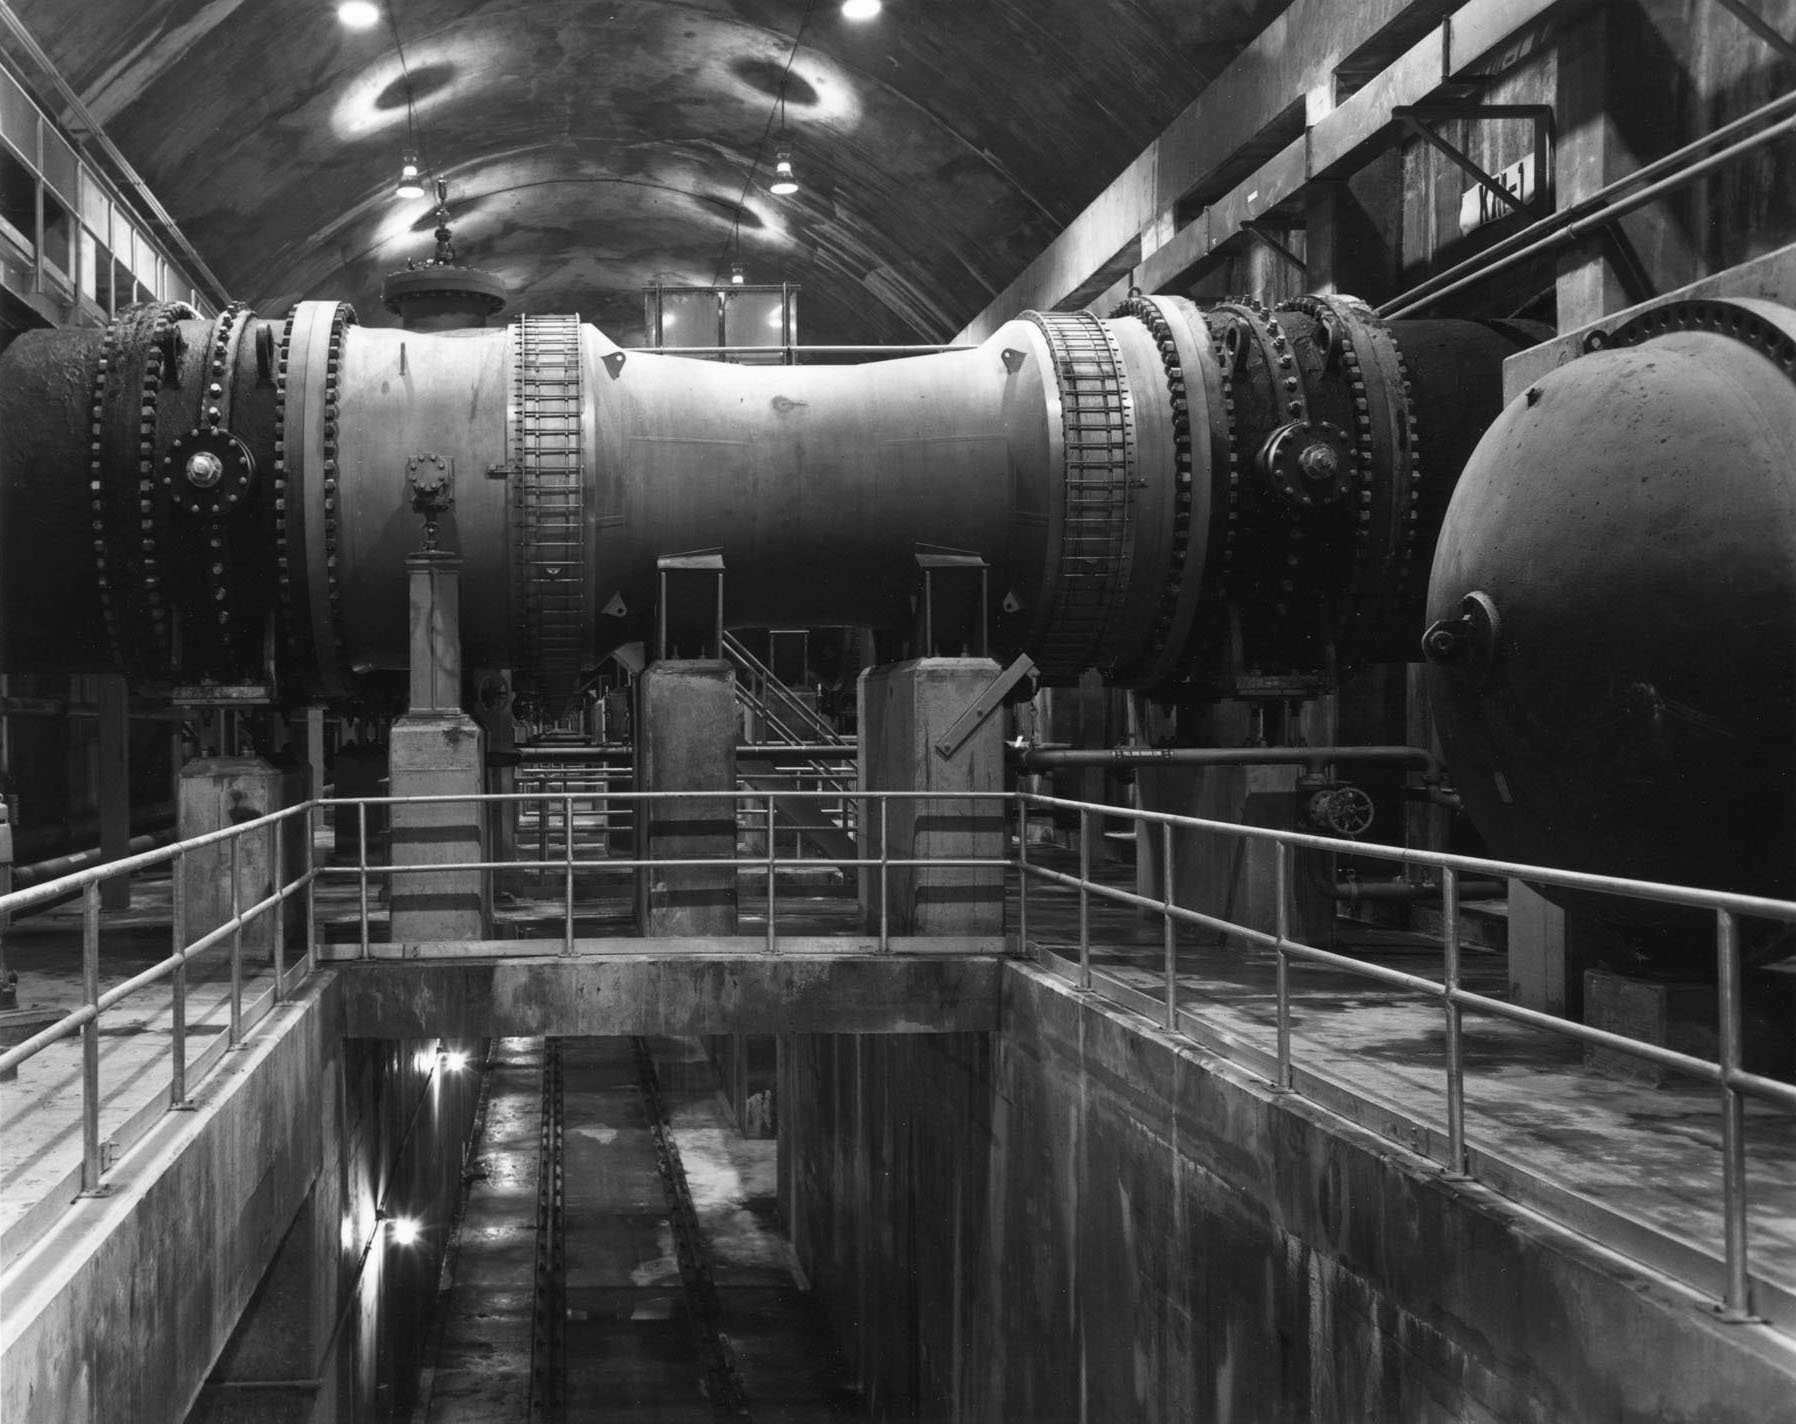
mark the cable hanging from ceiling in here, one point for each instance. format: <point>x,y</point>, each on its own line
<point>364,15</point>
<point>785,181</point>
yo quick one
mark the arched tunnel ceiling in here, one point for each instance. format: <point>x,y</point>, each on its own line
<point>593,148</point>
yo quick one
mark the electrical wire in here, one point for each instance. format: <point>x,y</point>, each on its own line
<point>779,105</point>
<point>414,135</point>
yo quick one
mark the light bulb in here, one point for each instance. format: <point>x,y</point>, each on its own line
<point>784,181</point>
<point>455,1060</point>
<point>859,9</point>
<point>411,180</point>
<point>365,14</point>
<point>404,1230</point>
<point>736,277</point>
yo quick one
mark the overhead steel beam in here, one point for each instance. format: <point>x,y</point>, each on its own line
<point>1299,51</point>
<point>1340,142</point>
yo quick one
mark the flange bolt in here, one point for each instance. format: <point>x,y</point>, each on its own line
<point>1319,462</point>
<point>204,469</point>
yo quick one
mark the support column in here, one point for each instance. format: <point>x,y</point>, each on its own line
<point>220,791</point>
<point>686,726</point>
<point>113,793</point>
<point>437,750</point>
<point>905,708</point>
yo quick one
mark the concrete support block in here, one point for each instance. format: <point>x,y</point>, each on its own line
<point>438,750</point>
<point>686,727</point>
<point>438,754</point>
<point>1545,962</point>
<point>216,792</point>
<point>905,708</point>
<point>1683,1016</point>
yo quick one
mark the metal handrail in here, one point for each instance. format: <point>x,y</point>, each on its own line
<point>1728,907</point>
<point>1726,1072</point>
<point>85,1019</point>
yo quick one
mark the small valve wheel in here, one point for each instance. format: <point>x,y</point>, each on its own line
<point>1342,810</point>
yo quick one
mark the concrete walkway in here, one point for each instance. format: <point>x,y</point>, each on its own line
<point>1637,1168</point>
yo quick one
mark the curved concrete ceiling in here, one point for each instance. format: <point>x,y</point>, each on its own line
<point>593,148</point>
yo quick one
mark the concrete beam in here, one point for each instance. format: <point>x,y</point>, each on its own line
<point>682,994</point>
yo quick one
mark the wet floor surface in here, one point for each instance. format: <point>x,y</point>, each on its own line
<point>482,1370</point>
<point>640,1344</point>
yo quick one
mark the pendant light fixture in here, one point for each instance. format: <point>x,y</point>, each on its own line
<point>785,181</point>
<point>736,276</point>
<point>411,177</point>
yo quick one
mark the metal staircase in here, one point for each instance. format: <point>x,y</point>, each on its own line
<point>791,721</point>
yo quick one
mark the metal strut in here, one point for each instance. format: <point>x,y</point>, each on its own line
<point>549,529</point>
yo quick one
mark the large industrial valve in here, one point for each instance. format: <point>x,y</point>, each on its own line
<point>1614,606</point>
<point>1169,495</point>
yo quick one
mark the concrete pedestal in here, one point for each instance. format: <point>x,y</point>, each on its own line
<point>1231,877</point>
<point>437,750</point>
<point>905,708</point>
<point>686,726</point>
<point>216,792</point>
<point>438,754</point>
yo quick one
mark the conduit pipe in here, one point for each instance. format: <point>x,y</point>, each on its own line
<point>25,876</point>
<point>1047,758</point>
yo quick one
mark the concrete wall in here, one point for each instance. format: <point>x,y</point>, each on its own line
<point>1076,1219</point>
<point>236,1269</point>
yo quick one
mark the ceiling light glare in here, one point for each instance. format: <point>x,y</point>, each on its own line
<point>784,180</point>
<point>455,1060</point>
<point>365,14</point>
<point>859,9</point>
<point>411,181</point>
<point>404,1230</point>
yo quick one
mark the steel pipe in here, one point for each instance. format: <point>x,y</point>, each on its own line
<point>244,484</point>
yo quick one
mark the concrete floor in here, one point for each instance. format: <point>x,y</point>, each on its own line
<point>1635,1167</point>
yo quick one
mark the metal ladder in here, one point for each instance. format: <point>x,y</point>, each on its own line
<point>549,526</point>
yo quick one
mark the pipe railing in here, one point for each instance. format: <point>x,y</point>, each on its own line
<point>1725,1073</point>
<point>85,1019</point>
<point>768,861</point>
